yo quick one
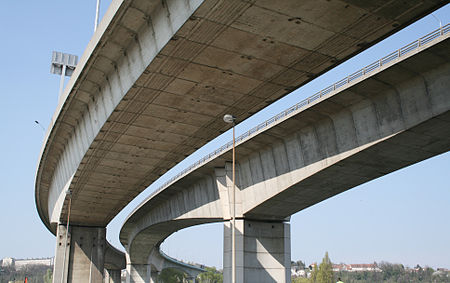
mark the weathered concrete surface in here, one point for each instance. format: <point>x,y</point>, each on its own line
<point>82,259</point>
<point>84,255</point>
<point>263,252</point>
<point>395,118</point>
<point>158,76</point>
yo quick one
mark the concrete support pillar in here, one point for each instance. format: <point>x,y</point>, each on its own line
<point>81,258</point>
<point>138,273</point>
<point>112,276</point>
<point>263,252</point>
<point>61,262</point>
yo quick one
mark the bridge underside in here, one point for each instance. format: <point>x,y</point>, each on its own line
<point>157,77</point>
<point>158,81</point>
<point>409,147</point>
<point>391,120</point>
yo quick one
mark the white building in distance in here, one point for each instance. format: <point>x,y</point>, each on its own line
<point>22,263</point>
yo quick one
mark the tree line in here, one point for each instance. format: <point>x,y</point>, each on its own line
<point>34,274</point>
<point>322,273</point>
<point>390,273</point>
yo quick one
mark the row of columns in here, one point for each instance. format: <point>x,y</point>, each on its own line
<point>262,255</point>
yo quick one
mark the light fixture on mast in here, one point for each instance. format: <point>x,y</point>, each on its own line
<point>63,64</point>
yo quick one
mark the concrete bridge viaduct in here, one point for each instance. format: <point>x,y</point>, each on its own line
<point>390,119</point>
<point>153,84</point>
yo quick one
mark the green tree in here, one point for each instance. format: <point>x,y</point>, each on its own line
<point>48,276</point>
<point>325,273</point>
<point>210,276</point>
<point>314,273</point>
<point>301,280</point>
<point>392,271</point>
<point>172,275</point>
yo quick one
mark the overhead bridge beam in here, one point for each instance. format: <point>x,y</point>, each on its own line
<point>396,117</point>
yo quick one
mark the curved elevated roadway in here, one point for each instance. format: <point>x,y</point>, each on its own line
<point>154,82</point>
<point>389,115</point>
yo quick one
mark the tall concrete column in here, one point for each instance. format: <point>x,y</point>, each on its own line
<point>61,263</point>
<point>112,276</point>
<point>80,256</point>
<point>263,252</point>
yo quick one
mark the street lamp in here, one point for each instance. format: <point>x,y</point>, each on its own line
<point>40,125</point>
<point>230,119</point>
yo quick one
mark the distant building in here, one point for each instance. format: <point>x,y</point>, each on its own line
<point>296,271</point>
<point>356,267</point>
<point>22,263</point>
<point>442,272</point>
<point>7,261</point>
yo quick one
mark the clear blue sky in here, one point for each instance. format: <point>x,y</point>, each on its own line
<point>402,217</point>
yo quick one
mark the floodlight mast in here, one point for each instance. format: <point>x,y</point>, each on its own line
<point>63,64</point>
<point>97,11</point>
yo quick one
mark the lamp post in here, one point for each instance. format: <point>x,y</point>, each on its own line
<point>230,119</point>
<point>40,125</point>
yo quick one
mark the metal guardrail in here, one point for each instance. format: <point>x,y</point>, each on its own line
<point>293,110</point>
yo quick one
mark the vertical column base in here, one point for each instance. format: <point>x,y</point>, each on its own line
<point>263,252</point>
<point>61,262</point>
<point>82,257</point>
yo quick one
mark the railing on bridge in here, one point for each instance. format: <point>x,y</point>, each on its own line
<point>293,110</point>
